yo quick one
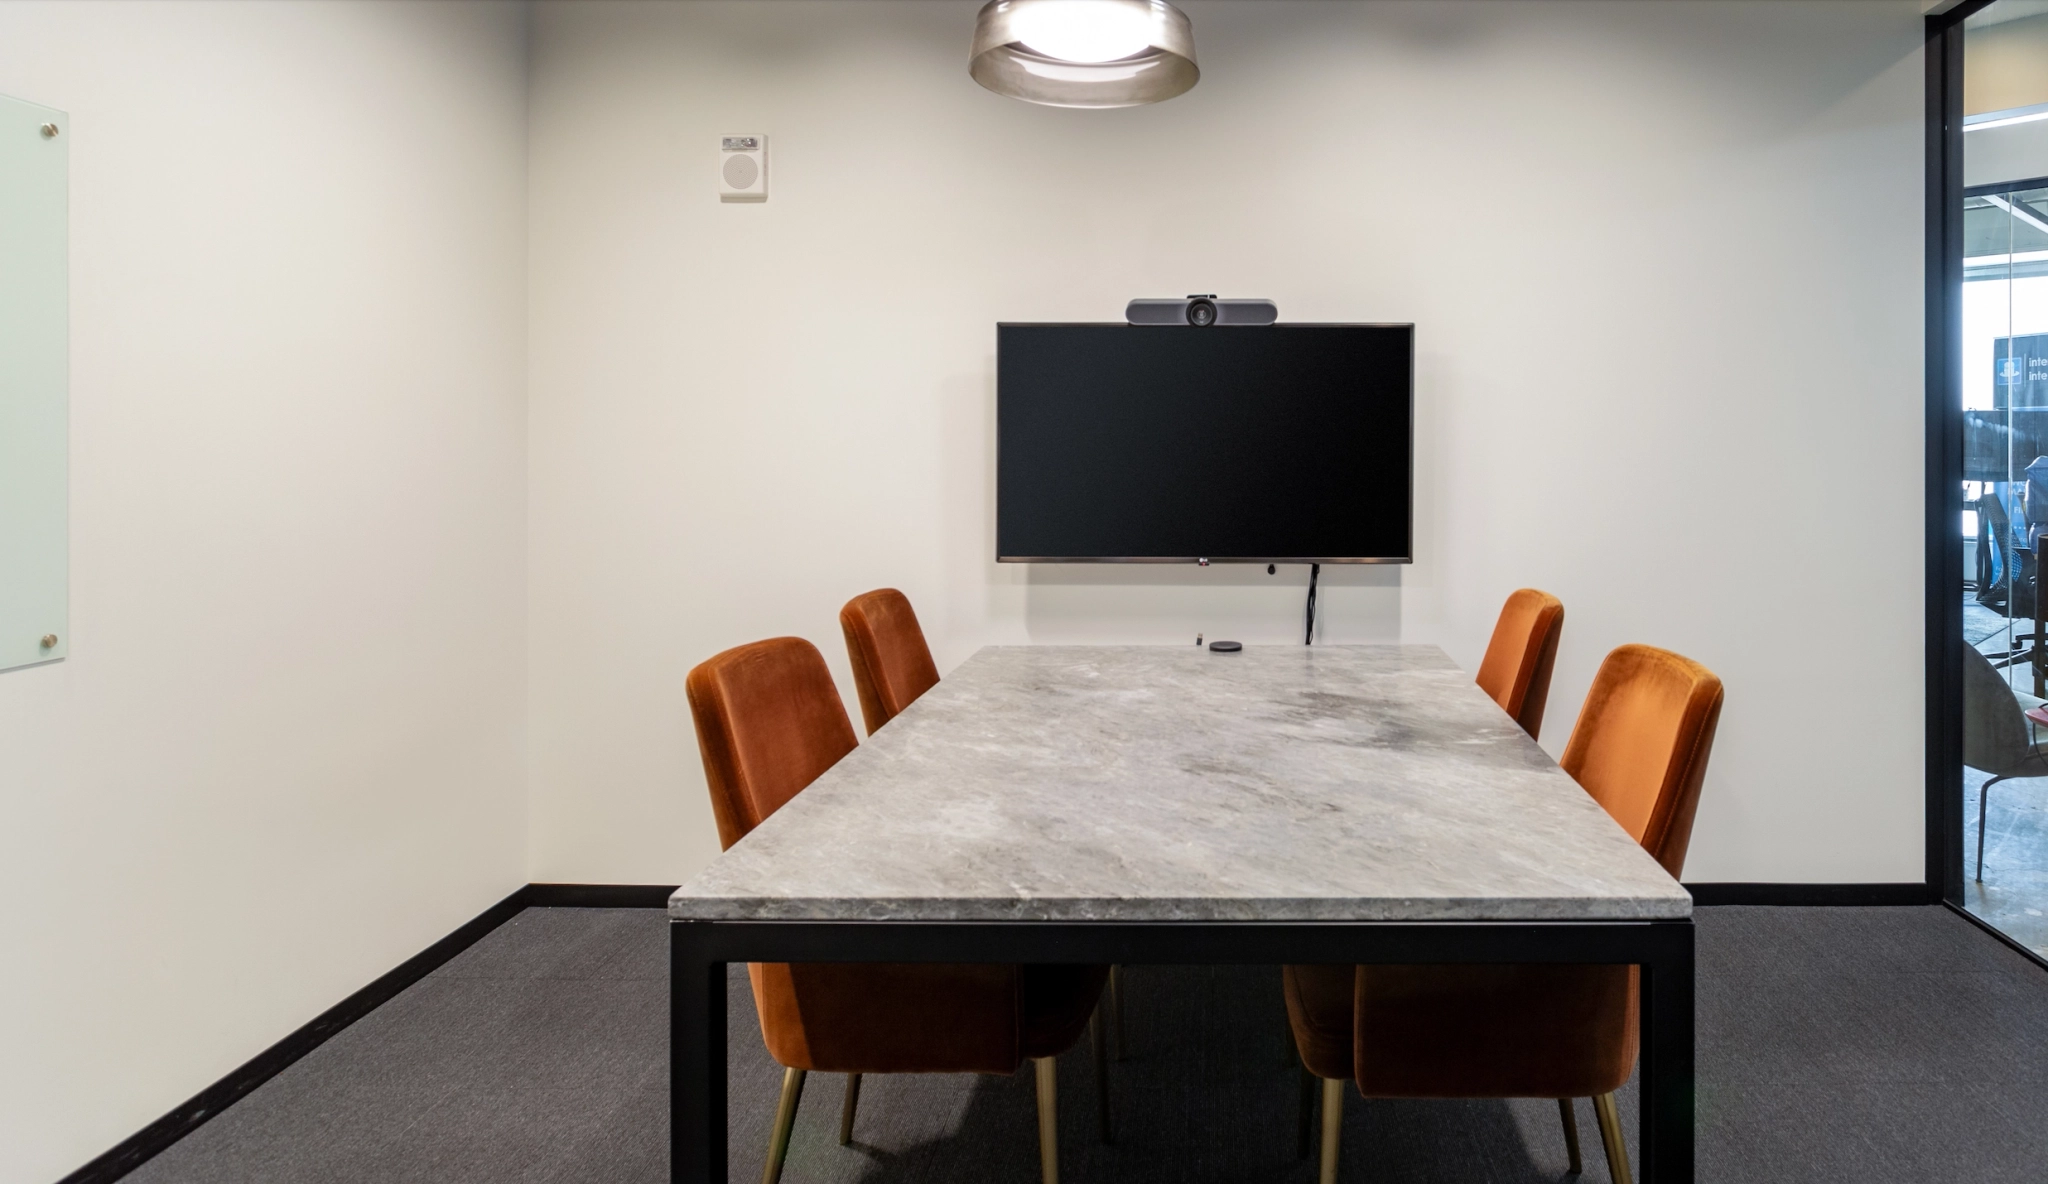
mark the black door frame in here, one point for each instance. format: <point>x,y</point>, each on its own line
<point>1944,459</point>
<point>1944,464</point>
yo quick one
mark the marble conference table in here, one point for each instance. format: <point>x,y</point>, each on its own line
<point>1155,804</point>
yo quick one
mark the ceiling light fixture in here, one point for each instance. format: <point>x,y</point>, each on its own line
<point>1084,53</point>
<point>1989,120</point>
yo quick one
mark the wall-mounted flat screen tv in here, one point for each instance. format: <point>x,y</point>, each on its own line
<point>1177,444</point>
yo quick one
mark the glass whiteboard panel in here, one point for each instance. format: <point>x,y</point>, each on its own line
<point>34,378</point>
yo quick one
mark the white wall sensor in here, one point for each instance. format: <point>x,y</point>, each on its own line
<point>743,168</point>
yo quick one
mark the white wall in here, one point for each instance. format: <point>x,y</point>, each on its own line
<point>285,753</point>
<point>1664,260</point>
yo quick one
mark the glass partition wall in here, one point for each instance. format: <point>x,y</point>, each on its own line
<point>2004,376</point>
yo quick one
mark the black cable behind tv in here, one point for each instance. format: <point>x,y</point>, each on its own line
<point>1308,636</point>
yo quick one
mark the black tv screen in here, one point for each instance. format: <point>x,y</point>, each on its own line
<point>1173,444</point>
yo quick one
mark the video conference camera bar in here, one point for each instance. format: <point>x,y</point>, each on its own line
<point>1201,311</point>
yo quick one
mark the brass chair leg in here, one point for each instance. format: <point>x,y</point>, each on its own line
<point>1571,1134</point>
<point>1333,1125</point>
<point>1116,1008</point>
<point>1610,1137</point>
<point>1305,1113</point>
<point>1099,1043</point>
<point>846,1110</point>
<point>785,1118</point>
<point>1048,1118</point>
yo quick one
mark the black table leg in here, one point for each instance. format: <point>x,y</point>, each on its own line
<point>696,1038</point>
<point>1667,1064</point>
<point>699,952</point>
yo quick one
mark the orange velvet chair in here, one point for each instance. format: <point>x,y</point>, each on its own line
<point>1516,669</point>
<point>1544,1031</point>
<point>892,665</point>
<point>769,721</point>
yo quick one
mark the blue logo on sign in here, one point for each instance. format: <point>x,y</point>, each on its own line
<point>2009,372</point>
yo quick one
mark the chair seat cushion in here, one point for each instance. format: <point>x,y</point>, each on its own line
<point>1467,1031</point>
<point>1319,1007</point>
<point>920,1017</point>
<point>1535,1031</point>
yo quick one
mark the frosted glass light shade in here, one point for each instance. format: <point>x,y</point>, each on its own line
<point>1058,53</point>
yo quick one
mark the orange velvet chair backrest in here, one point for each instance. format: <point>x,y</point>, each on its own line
<point>769,721</point>
<point>892,665</point>
<point>1641,745</point>
<point>1516,669</point>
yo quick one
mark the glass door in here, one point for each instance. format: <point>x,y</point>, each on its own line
<point>2005,516</point>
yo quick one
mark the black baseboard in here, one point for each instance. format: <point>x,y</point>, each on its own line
<point>133,1151</point>
<point>1812,894</point>
<point>598,896</point>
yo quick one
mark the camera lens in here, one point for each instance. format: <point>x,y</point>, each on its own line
<point>1201,312</point>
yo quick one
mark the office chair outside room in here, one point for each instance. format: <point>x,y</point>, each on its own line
<point>1540,1031</point>
<point>2015,593</point>
<point>769,722</point>
<point>1997,736</point>
<point>1520,655</point>
<point>892,666</point>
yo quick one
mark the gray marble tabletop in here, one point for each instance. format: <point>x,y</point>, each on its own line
<point>1153,783</point>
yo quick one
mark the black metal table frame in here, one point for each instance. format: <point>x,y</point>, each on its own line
<point>699,952</point>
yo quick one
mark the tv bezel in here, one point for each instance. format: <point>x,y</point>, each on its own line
<point>1211,559</point>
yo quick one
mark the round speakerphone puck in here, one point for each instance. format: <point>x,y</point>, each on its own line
<point>1224,647</point>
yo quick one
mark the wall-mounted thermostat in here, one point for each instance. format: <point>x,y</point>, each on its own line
<point>743,168</point>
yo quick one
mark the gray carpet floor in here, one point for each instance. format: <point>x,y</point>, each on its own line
<point>1864,1045</point>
